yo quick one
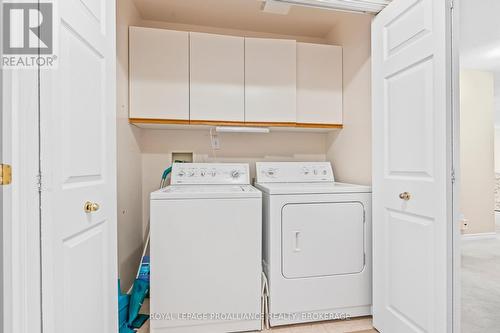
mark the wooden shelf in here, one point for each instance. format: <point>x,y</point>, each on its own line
<point>175,122</point>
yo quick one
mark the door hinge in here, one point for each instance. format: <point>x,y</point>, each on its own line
<point>453,178</point>
<point>452,4</point>
<point>39,182</point>
<point>5,174</point>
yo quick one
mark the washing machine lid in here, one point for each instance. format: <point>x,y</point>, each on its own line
<point>206,192</point>
<point>311,188</point>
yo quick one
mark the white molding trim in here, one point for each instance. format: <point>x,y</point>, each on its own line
<point>480,236</point>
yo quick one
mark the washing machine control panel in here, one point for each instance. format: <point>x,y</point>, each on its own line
<point>294,172</point>
<point>210,173</point>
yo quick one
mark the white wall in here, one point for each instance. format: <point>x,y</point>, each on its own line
<point>497,99</point>
<point>479,35</point>
<point>497,121</point>
<point>234,32</point>
<point>129,182</point>
<point>476,150</point>
<point>350,150</point>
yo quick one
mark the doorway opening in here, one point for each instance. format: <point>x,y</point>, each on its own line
<point>480,166</point>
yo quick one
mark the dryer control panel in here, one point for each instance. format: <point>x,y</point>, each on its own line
<point>294,172</point>
<point>210,173</point>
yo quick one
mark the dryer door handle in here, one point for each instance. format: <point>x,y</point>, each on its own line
<point>296,243</point>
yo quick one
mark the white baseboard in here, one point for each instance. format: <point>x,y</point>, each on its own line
<point>484,235</point>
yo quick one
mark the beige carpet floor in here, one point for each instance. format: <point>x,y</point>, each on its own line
<point>481,285</point>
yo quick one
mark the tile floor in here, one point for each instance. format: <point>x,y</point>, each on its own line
<point>358,325</point>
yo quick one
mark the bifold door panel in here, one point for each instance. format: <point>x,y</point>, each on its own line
<point>322,239</point>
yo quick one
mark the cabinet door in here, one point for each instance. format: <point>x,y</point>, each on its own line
<point>159,73</point>
<point>319,84</point>
<point>270,80</point>
<point>217,77</point>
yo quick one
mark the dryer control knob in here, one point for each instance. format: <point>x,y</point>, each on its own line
<point>235,174</point>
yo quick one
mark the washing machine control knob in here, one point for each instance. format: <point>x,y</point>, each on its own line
<point>181,173</point>
<point>271,172</point>
<point>235,174</point>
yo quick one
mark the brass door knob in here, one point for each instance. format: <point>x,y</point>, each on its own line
<point>90,207</point>
<point>405,196</point>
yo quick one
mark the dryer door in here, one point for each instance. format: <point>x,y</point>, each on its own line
<point>322,239</point>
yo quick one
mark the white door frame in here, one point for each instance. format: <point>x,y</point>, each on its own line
<point>4,207</point>
<point>21,234</point>
<point>455,149</point>
<point>19,228</point>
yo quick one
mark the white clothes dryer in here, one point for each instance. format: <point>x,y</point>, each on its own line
<point>316,243</point>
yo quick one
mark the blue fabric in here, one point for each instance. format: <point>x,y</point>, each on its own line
<point>126,329</point>
<point>139,292</point>
<point>140,320</point>
<point>144,270</point>
<point>123,302</point>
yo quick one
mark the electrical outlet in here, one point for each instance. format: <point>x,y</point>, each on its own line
<point>464,224</point>
<point>214,138</point>
<point>186,157</point>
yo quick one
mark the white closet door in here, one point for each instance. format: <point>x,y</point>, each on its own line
<point>78,173</point>
<point>319,84</point>
<point>412,168</point>
<point>217,77</point>
<point>270,80</point>
<point>159,73</point>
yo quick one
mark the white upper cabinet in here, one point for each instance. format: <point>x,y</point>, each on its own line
<point>319,84</point>
<point>159,73</point>
<point>179,76</point>
<point>270,80</point>
<point>217,77</point>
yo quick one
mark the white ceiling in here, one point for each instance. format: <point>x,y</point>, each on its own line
<point>241,15</point>
<point>480,34</point>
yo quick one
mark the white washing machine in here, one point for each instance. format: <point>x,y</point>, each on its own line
<point>206,237</point>
<point>316,243</point>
